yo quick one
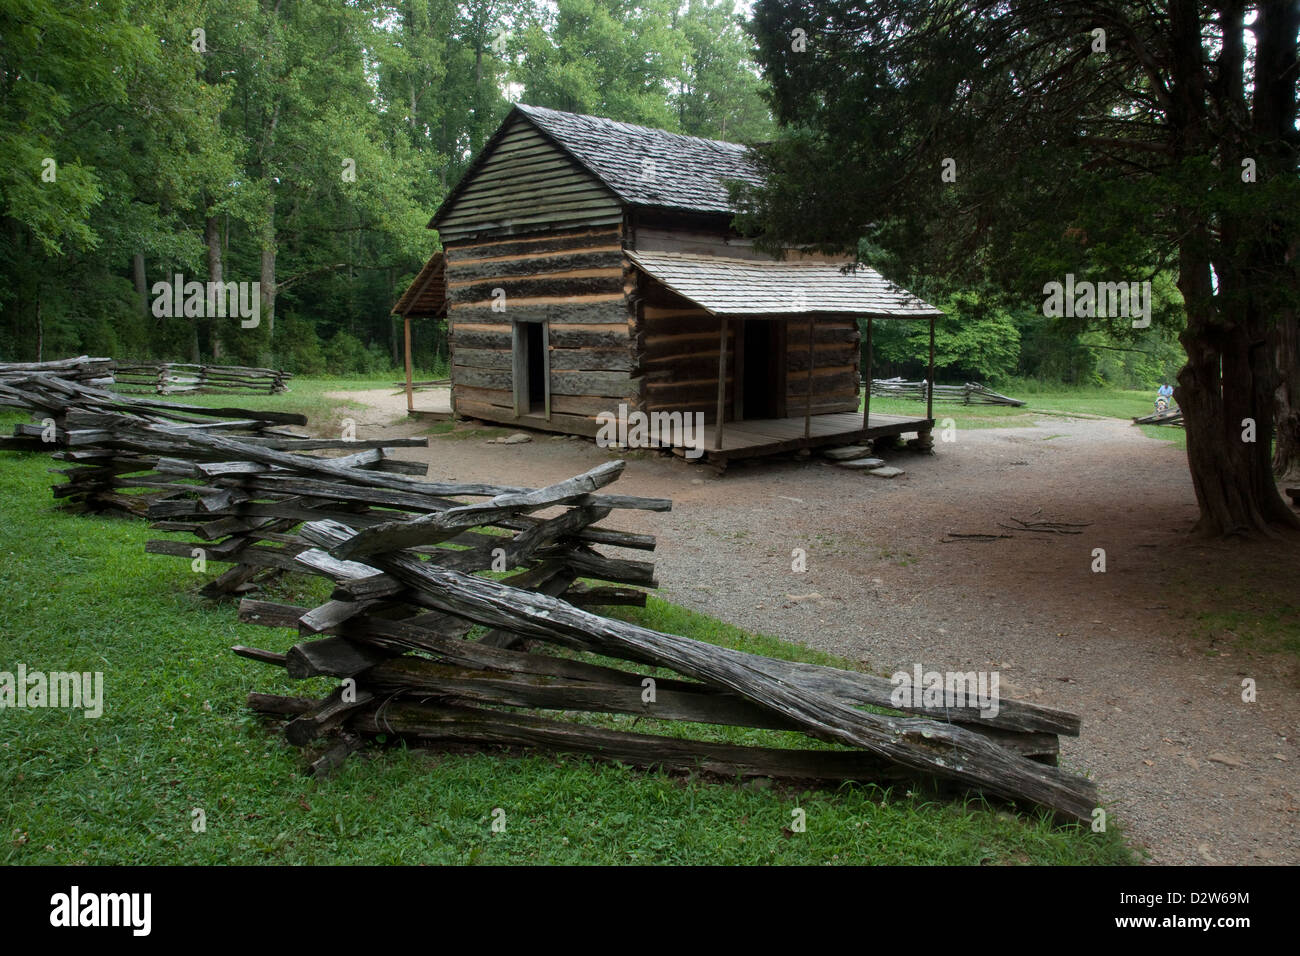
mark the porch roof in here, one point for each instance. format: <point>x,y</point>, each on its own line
<point>426,296</point>
<point>756,287</point>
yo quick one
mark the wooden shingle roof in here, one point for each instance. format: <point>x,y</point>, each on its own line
<point>740,287</point>
<point>650,167</point>
<point>426,296</point>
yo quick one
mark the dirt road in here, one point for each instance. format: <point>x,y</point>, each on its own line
<point>1191,771</point>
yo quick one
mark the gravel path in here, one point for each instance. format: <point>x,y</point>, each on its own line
<point>1193,773</point>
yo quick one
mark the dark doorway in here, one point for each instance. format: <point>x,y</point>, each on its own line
<point>763,376</point>
<point>531,369</point>
<point>535,347</point>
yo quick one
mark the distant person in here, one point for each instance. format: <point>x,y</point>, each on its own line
<point>1164,397</point>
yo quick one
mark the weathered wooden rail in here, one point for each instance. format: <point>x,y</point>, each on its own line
<point>247,510</point>
<point>428,648</point>
<point>83,369</point>
<point>91,430</point>
<point>1170,416</point>
<point>172,378</point>
<point>972,393</point>
<point>409,671</point>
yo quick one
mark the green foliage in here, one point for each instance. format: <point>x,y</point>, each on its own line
<point>981,339</point>
<point>345,354</point>
<point>687,69</point>
<point>58,61</point>
<point>719,93</point>
<point>975,341</point>
<point>612,58</point>
<point>170,150</point>
<point>1052,353</point>
<point>110,138</point>
<point>248,134</point>
<point>300,350</point>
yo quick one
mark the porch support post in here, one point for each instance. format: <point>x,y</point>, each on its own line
<point>410,391</point>
<point>866,381</point>
<point>722,382</point>
<point>807,405</point>
<point>929,386</point>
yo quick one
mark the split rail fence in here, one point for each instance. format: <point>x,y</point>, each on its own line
<point>83,369</point>
<point>460,613</point>
<point>1170,416</point>
<point>172,378</point>
<point>972,393</point>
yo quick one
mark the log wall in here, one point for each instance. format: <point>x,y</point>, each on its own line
<point>836,357</point>
<point>575,282</point>
<point>614,336</point>
<point>675,342</point>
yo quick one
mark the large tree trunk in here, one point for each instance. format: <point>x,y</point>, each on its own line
<point>442,173</point>
<point>1226,393</point>
<point>1275,121</point>
<point>267,294</point>
<point>395,326</point>
<point>212,236</point>
<point>141,283</point>
<point>1227,390</point>
<point>268,263</point>
<point>1286,456</point>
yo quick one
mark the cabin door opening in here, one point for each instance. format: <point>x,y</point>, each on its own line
<point>762,370</point>
<point>532,369</point>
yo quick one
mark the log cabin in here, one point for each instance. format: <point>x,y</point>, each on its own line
<point>589,268</point>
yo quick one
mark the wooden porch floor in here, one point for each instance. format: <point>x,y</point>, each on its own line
<point>770,436</point>
<point>433,404</point>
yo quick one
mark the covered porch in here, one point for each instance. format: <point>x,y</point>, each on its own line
<point>793,298</point>
<point>772,436</point>
<point>425,298</point>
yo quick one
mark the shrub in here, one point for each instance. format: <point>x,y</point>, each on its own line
<point>299,347</point>
<point>345,354</point>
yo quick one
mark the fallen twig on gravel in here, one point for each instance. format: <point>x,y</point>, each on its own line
<point>1047,527</point>
<point>1043,527</point>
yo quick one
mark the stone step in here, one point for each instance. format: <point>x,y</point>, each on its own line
<point>847,452</point>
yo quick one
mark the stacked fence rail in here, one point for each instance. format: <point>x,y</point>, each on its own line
<point>174,378</point>
<point>459,614</point>
<point>972,393</point>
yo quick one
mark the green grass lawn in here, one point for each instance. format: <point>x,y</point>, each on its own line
<point>175,736</point>
<point>306,394</point>
<point>1063,403</point>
